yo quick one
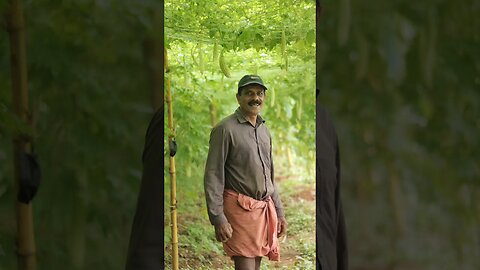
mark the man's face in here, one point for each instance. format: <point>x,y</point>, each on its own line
<point>251,99</point>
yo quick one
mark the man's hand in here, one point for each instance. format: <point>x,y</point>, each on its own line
<point>281,226</point>
<point>223,232</point>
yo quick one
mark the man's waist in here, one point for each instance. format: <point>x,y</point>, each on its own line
<point>257,193</point>
<point>231,192</point>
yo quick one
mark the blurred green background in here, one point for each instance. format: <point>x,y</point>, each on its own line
<point>91,97</point>
<point>402,81</point>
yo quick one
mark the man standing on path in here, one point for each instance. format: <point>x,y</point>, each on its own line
<point>242,198</point>
<point>330,232</point>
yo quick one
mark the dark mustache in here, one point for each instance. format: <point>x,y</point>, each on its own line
<point>255,102</point>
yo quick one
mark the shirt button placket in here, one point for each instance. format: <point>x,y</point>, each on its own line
<point>261,160</point>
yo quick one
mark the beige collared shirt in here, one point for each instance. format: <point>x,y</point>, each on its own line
<point>239,158</point>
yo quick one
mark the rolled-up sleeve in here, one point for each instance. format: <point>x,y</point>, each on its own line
<point>214,180</point>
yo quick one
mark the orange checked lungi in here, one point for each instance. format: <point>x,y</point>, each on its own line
<point>254,225</point>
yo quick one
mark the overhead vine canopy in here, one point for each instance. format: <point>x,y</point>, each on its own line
<point>240,24</point>
<point>211,44</point>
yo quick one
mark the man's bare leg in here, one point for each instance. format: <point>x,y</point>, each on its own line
<point>244,263</point>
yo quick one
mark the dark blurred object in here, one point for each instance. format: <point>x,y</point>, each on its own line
<point>145,250</point>
<point>173,148</point>
<point>331,233</point>
<point>30,176</point>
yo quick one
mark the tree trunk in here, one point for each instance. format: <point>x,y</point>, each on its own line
<point>363,194</point>
<point>290,158</point>
<point>25,236</point>
<point>77,232</point>
<point>396,201</point>
<point>213,113</point>
<point>77,226</point>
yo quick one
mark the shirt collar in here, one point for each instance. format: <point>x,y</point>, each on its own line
<point>242,119</point>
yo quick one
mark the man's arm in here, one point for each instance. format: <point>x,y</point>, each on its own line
<point>282,222</point>
<point>214,181</point>
<point>276,199</point>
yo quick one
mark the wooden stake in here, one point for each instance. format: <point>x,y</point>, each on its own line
<point>173,180</point>
<point>18,61</point>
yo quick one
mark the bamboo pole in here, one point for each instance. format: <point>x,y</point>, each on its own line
<point>173,180</point>
<point>25,241</point>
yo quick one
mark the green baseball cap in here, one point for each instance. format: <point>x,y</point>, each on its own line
<point>251,79</point>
